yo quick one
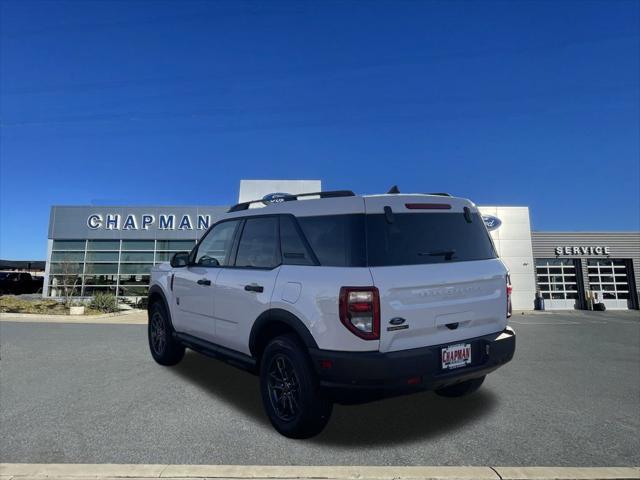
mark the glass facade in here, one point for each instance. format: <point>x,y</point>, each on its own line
<point>120,267</point>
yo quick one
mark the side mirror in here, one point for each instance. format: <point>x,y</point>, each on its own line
<point>180,259</point>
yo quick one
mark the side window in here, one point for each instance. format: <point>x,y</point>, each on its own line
<point>337,240</point>
<point>293,249</point>
<point>258,245</point>
<point>214,249</point>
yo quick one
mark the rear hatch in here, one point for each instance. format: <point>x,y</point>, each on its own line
<point>436,271</point>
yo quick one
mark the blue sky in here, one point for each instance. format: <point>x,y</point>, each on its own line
<point>510,103</point>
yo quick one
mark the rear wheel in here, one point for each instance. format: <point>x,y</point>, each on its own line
<point>290,391</point>
<point>165,349</point>
<point>461,389</point>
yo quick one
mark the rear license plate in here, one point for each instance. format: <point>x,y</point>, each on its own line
<point>456,356</point>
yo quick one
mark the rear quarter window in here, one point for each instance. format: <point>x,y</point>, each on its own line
<point>294,251</point>
<point>336,240</point>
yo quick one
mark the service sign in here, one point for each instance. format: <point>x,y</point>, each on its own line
<point>584,250</point>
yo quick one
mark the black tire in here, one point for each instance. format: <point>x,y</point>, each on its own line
<point>461,389</point>
<point>165,348</point>
<point>290,391</point>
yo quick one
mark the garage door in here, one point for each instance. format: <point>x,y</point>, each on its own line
<point>610,279</point>
<point>557,282</point>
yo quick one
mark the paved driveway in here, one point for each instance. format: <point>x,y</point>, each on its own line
<point>92,394</point>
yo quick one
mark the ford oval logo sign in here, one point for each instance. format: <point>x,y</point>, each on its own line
<point>275,198</point>
<point>492,223</point>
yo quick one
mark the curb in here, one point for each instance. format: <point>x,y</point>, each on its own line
<point>139,317</point>
<point>25,471</point>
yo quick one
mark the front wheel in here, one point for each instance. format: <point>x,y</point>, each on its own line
<point>165,348</point>
<point>290,391</point>
<point>461,389</point>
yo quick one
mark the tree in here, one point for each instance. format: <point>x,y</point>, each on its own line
<point>68,275</point>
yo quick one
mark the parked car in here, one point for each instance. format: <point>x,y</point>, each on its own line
<point>332,297</point>
<point>17,283</point>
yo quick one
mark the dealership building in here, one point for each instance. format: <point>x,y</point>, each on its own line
<point>112,249</point>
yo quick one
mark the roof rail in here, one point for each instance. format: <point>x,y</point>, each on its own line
<point>330,194</point>
<point>439,194</point>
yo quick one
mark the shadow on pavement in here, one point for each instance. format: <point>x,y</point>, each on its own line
<point>395,420</point>
<point>228,384</point>
<point>404,419</point>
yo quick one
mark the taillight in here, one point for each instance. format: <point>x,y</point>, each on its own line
<point>427,206</point>
<point>508,296</point>
<point>360,311</point>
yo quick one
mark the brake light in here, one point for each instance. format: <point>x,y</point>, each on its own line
<point>428,206</point>
<point>360,311</point>
<point>509,289</point>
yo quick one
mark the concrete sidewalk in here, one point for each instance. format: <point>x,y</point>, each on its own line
<point>24,471</point>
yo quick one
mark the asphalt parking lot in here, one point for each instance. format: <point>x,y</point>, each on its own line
<point>92,394</point>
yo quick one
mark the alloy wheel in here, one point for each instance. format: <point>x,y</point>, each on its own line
<point>158,333</point>
<point>284,388</point>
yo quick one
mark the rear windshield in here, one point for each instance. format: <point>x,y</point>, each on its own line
<point>420,238</point>
<point>357,240</point>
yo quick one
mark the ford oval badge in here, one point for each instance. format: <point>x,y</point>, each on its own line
<point>492,223</point>
<point>397,321</point>
<point>275,198</point>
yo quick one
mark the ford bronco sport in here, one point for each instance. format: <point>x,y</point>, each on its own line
<point>332,297</point>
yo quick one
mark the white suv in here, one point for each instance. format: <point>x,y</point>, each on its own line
<point>333,297</point>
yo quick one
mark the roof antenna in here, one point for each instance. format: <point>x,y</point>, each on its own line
<point>394,189</point>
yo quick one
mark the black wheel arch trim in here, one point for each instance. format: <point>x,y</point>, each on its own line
<point>279,315</point>
<point>156,290</point>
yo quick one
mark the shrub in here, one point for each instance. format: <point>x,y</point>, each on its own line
<point>104,302</point>
<point>13,304</point>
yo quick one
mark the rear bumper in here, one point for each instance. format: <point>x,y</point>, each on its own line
<point>378,374</point>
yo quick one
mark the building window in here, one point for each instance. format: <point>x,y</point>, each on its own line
<point>64,256</point>
<point>100,280</point>
<point>175,245</point>
<point>90,290</point>
<point>134,279</point>
<point>138,245</point>
<point>69,245</point>
<point>103,245</point>
<point>137,257</point>
<point>163,256</point>
<point>135,268</point>
<point>102,256</point>
<point>93,268</point>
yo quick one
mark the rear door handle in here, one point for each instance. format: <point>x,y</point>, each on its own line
<point>204,281</point>
<point>254,288</point>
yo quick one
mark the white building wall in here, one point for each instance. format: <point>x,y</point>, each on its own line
<point>513,242</point>
<point>256,189</point>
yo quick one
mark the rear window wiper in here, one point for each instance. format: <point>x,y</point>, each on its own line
<point>447,254</point>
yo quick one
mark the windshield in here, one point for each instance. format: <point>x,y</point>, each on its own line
<point>424,238</point>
